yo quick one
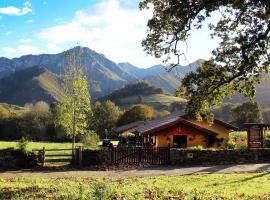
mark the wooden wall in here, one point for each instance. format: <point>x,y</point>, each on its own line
<point>194,136</point>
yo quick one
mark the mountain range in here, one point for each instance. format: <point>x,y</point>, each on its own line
<point>37,77</point>
<point>31,78</point>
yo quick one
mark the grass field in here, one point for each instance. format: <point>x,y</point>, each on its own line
<point>199,187</point>
<point>40,145</point>
<point>37,145</point>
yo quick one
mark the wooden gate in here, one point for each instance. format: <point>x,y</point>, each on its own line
<point>150,155</point>
<point>54,156</point>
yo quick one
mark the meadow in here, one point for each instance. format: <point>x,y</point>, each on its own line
<point>37,145</point>
<point>199,187</point>
<point>40,145</point>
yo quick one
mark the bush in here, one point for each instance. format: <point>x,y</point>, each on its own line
<point>22,144</point>
<point>267,139</point>
<point>197,148</point>
<point>239,138</point>
<point>92,157</point>
<point>17,159</point>
<point>90,140</point>
<point>231,145</point>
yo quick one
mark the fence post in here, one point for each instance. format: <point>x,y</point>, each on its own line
<point>80,155</point>
<point>43,157</point>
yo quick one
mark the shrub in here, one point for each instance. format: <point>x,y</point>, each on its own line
<point>126,138</point>
<point>231,145</point>
<point>22,144</point>
<point>197,148</point>
<point>90,140</point>
<point>16,159</point>
<point>239,138</point>
<point>267,139</point>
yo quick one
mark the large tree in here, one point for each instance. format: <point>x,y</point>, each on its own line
<point>105,116</point>
<point>246,113</point>
<point>236,66</point>
<point>74,107</point>
<point>138,112</point>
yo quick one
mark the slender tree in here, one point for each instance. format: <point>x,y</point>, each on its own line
<point>74,107</point>
<point>236,66</point>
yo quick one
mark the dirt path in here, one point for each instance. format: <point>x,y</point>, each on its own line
<point>157,171</point>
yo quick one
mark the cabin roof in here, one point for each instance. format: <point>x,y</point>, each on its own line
<point>175,118</point>
<point>129,127</point>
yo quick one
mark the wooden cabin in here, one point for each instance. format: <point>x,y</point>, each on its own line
<point>178,131</point>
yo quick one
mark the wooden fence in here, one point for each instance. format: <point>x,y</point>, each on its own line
<point>150,155</point>
<point>58,156</point>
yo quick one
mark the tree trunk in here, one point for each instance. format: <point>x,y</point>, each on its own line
<point>73,145</point>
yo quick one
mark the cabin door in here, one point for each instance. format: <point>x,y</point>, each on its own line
<point>180,141</point>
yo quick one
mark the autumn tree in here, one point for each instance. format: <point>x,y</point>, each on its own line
<point>236,66</point>
<point>139,112</point>
<point>246,113</point>
<point>105,116</point>
<point>74,107</point>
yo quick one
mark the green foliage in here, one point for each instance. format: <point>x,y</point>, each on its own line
<point>74,108</point>
<point>231,145</point>
<point>90,140</point>
<point>104,119</point>
<point>238,136</point>
<point>246,113</point>
<point>237,140</point>
<point>267,139</point>
<point>34,120</point>
<point>197,148</point>
<point>16,159</point>
<point>22,144</point>
<point>236,65</point>
<point>139,112</point>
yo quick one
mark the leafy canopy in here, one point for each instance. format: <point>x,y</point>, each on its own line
<point>105,116</point>
<point>138,112</point>
<point>236,66</point>
<point>246,113</point>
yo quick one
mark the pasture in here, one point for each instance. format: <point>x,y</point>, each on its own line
<point>37,145</point>
<point>211,186</point>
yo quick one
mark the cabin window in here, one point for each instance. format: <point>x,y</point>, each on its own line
<point>180,141</point>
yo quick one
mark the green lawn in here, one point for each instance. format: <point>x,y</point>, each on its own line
<point>199,187</point>
<point>37,145</point>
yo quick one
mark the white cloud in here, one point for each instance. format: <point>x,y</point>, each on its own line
<point>25,40</point>
<point>19,50</point>
<point>8,33</point>
<point>8,50</point>
<point>109,28</point>
<point>27,49</point>
<point>53,48</point>
<point>30,21</point>
<point>11,10</point>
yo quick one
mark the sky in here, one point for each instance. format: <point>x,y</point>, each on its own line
<point>114,28</point>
